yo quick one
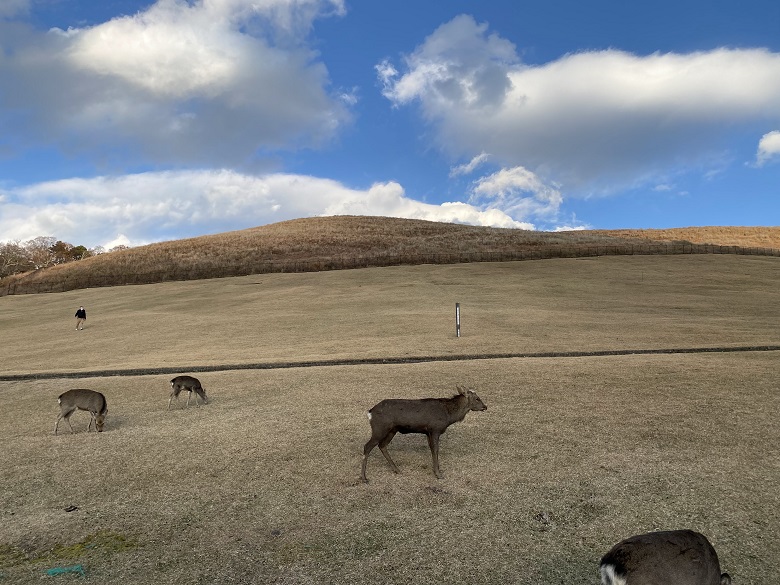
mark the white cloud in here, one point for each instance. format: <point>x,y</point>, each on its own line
<point>172,49</point>
<point>149,207</point>
<point>120,240</point>
<point>180,49</point>
<point>349,98</point>
<point>204,82</point>
<point>11,8</point>
<point>519,193</point>
<point>458,62</point>
<point>470,167</point>
<point>386,73</point>
<point>591,121</point>
<point>768,148</point>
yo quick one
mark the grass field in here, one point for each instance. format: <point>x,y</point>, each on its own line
<point>262,485</point>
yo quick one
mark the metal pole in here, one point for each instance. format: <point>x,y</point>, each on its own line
<point>457,319</point>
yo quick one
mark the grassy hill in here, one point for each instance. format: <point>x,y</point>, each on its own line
<point>327,243</point>
<point>261,486</point>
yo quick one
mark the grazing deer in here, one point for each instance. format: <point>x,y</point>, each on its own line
<point>82,399</point>
<point>674,557</point>
<point>189,384</point>
<point>429,416</point>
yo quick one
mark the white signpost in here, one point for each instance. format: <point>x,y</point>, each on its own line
<point>457,319</point>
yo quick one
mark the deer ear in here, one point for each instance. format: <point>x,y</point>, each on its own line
<point>461,389</point>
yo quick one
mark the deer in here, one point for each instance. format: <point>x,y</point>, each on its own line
<point>82,399</point>
<point>189,384</point>
<point>673,557</point>
<point>428,416</point>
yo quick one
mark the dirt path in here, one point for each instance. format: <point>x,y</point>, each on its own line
<point>378,361</point>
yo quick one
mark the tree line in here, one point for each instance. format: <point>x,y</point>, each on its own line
<point>42,252</point>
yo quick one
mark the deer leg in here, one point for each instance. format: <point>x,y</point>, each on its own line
<point>372,442</point>
<point>189,395</point>
<point>174,394</point>
<point>66,415</point>
<point>383,448</point>
<point>93,421</point>
<point>67,419</point>
<point>433,443</point>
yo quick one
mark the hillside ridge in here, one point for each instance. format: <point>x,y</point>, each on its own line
<point>342,242</point>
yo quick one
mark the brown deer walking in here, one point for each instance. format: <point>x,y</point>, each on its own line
<point>190,385</point>
<point>82,399</point>
<point>429,416</point>
<point>674,557</point>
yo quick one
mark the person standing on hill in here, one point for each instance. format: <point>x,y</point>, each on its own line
<point>81,317</point>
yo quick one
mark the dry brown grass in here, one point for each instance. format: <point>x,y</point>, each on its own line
<point>621,302</point>
<point>327,243</point>
<point>261,485</point>
<point>749,237</point>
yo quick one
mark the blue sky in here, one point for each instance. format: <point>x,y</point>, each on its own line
<point>129,121</point>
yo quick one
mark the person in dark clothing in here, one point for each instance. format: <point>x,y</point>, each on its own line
<point>81,317</point>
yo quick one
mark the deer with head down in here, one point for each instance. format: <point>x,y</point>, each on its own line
<point>82,399</point>
<point>673,557</point>
<point>428,416</point>
<point>187,384</point>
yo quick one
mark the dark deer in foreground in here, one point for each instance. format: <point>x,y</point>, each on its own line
<point>675,557</point>
<point>190,385</point>
<point>429,416</point>
<point>82,399</point>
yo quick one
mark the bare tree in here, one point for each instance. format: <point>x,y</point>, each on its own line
<point>40,252</point>
<point>13,258</point>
